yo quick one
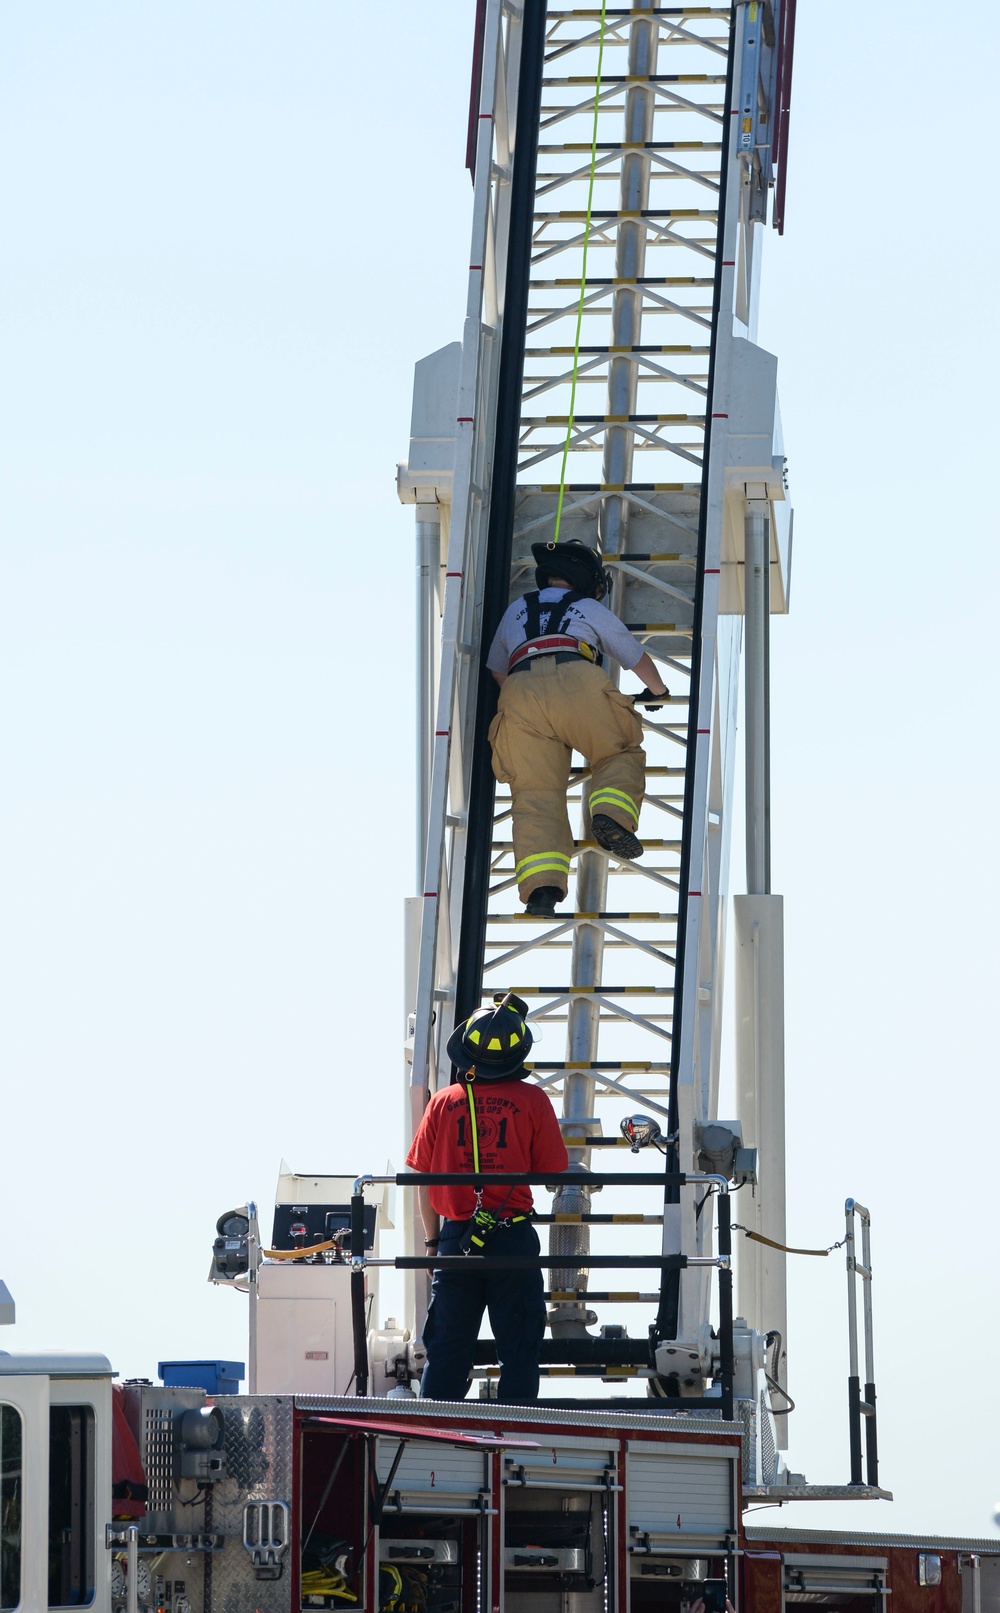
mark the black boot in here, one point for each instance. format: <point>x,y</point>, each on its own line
<point>541,904</point>
<point>610,836</point>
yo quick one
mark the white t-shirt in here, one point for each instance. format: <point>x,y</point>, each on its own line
<point>587,619</point>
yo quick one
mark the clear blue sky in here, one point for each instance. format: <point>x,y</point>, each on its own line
<point>229,230</point>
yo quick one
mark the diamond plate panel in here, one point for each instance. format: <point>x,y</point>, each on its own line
<point>746,1412</point>
<point>760,1456</point>
<point>258,1450</point>
<point>476,1412</point>
<point>768,1453</point>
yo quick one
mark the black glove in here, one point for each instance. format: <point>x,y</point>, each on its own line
<point>650,701</point>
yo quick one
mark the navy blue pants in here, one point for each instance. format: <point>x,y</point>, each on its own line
<point>516,1311</point>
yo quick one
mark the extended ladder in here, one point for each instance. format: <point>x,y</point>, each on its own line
<point>606,382</point>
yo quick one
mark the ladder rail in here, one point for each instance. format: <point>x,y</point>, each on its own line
<point>445,851</point>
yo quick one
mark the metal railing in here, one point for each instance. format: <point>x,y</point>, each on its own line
<point>859,1408</point>
<point>717,1185</point>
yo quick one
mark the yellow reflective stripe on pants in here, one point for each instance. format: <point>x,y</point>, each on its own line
<point>614,798</point>
<point>542,859</point>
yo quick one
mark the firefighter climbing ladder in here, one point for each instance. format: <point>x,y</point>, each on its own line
<point>622,160</point>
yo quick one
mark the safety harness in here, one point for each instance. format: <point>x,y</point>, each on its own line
<point>483,1222</point>
<point>550,638</point>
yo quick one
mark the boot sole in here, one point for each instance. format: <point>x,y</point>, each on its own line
<point>619,842</point>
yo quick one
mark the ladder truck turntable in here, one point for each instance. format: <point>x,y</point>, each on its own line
<point>608,387</point>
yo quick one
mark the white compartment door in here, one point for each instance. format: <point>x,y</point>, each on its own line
<point>821,1578</point>
<point>562,1463</point>
<point>681,1492</point>
<point>432,1477</point>
<point>29,1397</point>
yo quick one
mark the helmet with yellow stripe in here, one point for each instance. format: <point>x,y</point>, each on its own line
<point>494,1041</point>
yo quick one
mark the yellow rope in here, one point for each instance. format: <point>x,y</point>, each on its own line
<point>474,1129</point>
<point>300,1254</point>
<point>583,277</point>
<point>758,1237</point>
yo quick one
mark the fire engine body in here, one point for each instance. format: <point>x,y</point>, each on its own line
<point>467,1508</point>
<point>626,162</point>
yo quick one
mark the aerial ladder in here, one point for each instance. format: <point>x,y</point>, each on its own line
<point>609,387</point>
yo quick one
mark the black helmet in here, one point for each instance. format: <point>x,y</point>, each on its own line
<point>580,566</point>
<point>496,1040</point>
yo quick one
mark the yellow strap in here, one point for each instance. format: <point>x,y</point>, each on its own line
<point>298,1254</point>
<point>474,1129</point>
<point>758,1237</point>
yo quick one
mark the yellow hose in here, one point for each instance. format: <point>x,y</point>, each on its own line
<point>298,1254</point>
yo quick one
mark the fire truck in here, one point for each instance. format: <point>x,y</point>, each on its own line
<point>608,386</point>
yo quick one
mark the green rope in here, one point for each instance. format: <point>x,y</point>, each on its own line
<point>583,277</point>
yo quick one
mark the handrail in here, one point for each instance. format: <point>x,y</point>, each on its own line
<point>543,1179</point>
<point>859,1408</point>
<point>532,1262</point>
<point>360,1259</point>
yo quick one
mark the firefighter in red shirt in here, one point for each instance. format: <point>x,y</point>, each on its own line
<point>492,1119</point>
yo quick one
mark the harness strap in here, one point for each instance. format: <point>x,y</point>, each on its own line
<point>479,1239</point>
<point>550,644</point>
<point>547,629</point>
<point>534,626</point>
<point>473,1131</point>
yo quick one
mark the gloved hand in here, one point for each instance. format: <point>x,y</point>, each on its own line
<point>650,701</point>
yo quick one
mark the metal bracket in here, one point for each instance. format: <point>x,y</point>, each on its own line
<point>116,1538</point>
<point>266,1536</point>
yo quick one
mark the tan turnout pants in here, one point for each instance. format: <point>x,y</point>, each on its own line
<point>546,713</point>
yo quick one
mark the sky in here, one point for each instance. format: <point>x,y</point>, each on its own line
<point>229,231</point>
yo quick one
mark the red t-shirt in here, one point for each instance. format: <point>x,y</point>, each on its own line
<point>518,1131</point>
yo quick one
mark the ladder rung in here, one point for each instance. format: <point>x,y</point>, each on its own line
<point>623,1067</point>
<point>622,280</point>
<point>591,845</point>
<point>592,1142</point>
<point>613,1019</point>
<point>557,1295</point>
<point>591,991</point>
<point>565,944</point>
<point>616,420</point>
<point>573,215</point>
<point>583,918</point>
<point>634,145</point>
<point>595,13</point>
<point>600,1220</point>
<point>606,347</point>
<point>604,1372</point>
<point>651,772</point>
<point>653,558</point>
<point>613,487</point>
<point>635,78</point>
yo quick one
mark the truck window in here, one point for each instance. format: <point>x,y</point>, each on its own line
<point>10,1506</point>
<point>71,1506</point>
